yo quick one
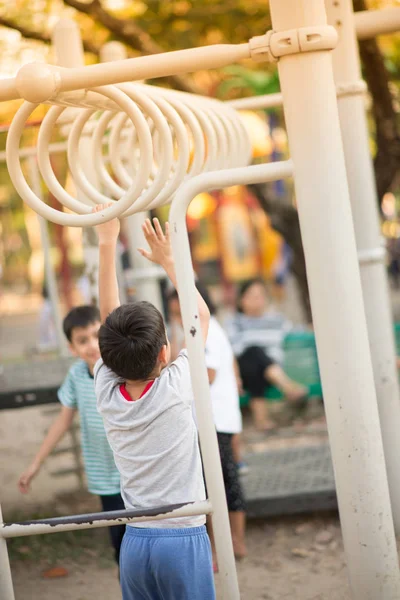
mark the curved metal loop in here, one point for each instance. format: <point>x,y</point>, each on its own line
<point>142,143</point>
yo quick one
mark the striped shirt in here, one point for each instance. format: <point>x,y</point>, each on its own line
<point>267,332</point>
<point>77,392</point>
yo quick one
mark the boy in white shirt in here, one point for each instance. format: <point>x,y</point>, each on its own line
<point>147,413</point>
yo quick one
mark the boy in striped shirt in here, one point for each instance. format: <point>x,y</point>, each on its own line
<point>81,326</point>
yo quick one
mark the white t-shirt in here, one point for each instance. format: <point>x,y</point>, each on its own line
<point>154,441</point>
<point>224,390</point>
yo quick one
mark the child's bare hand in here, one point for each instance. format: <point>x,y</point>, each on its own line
<point>160,244</point>
<point>108,232</point>
<point>24,482</point>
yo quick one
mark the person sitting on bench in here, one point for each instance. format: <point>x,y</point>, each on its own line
<point>256,333</point>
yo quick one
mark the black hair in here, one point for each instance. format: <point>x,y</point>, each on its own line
<point>130,340</point>
<point>173,295</point>
<point>80,316</point>
<point>246,285</point>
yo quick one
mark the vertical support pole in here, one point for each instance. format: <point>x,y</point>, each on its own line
<point>323,201</point>
<point>147,276</point>
<point>364,202</point>
<point>68,47</point>
<point>6,585</point>
<point>201,389</point>
<point>50,277</point>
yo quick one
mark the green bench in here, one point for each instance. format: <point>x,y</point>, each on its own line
<point>301,364</point>
<point>397,337</point>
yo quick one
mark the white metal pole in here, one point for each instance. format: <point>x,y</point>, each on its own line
<point>146,279</point>
<point>364,202</point>
<point>195,347</point>
<point>313,127</point>
<point>49,275</point>
<point>68,46</point>
<point>6,585</point>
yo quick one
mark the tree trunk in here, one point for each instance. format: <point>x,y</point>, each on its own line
<point>387,159</point>
<point>285,220</point>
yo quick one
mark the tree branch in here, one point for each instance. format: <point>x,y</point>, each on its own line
<point>128,32</point>
<point>41,36</point>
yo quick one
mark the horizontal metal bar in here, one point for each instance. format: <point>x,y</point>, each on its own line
<point>103,519</point>
<point>371,255</point>
<point>32,150</point>
<point>371,23</point>
<point>275,100</point>
<point>140,274</point>
<point>10,400</point>
<point>215,180</point>
<point>257,102</point>
<point>54,80</point>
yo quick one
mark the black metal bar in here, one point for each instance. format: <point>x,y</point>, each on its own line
<point>102,516</point>
<point>25,398</point>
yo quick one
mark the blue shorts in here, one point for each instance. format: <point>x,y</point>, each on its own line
<point>166,564</point>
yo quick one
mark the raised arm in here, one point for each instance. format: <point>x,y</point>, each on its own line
<point>108,283</point>
<point>161,254</point>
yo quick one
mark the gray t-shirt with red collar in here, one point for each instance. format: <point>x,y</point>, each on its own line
<point>154,441</point>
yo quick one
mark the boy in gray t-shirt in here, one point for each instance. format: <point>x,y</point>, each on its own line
<point>147,412</point>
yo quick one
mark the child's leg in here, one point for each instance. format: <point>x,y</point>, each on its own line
<point>291,389</point>
<point>252,364</point>
<point>260,413</point>
<point>234,494</point>
<point>237,448</point>
<point>182,565</point>
<point>109,503</point>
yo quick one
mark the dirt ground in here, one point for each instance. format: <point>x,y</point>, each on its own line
<point>300,558</point>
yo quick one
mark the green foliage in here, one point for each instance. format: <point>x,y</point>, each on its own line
<point>241,79</point>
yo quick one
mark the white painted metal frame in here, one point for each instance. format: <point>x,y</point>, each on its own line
<point>301,41</point>
<point>195,347</point>
<point>371,254</point>
<point>323,202</point>
<point>147,277</point>
<point>68,48</point>
<point>364,203</point>
<point>370,23</point>
<point>103,519</point>
<point>208,439</point>
<point>50,279</point>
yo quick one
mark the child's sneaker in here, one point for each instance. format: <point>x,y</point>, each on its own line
<point>243,468</point>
